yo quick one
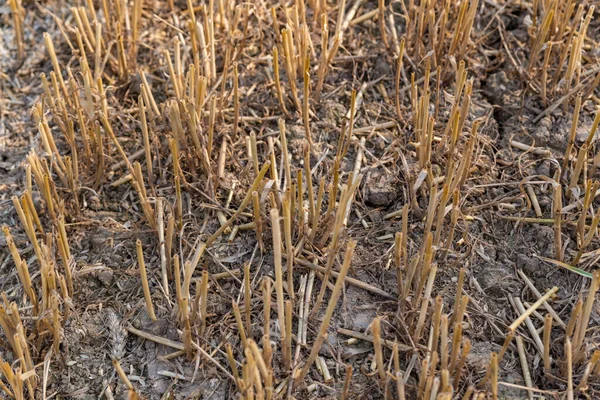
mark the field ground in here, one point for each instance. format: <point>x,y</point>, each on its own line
<point>299,199</point>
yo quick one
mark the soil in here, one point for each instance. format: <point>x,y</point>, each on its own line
<point>492,241</point>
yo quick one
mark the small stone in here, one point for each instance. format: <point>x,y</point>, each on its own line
<point>479,357</point>
<point>497,281</point>
<point>583,128</point>
<point>544,168</point>
<point>106,277</point>
<point>382,67</point>
<point>361,321</point>
<point>380,188</point>
<point>529,265</point>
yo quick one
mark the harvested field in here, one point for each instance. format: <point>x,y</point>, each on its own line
<point>303,199</point>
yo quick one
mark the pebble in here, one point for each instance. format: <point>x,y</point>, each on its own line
<point>106,277</point>
<point>381,189</point>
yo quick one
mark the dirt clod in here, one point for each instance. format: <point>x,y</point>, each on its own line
<point>380,188</point>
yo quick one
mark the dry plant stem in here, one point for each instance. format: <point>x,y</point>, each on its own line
<point>285,153</point>
<point>388,343</point>
<point>25,222</point>
<point>539,295</point>
<point>580,330</point>
<point>222,157</point>
<point>546,342</point>
<point>586,237</point>
<point>266,289</point>
<point>461,363</point>
<point>588,370</point>
<point>590,187</point>
<point>457,297</point>
<point>146,138</point>
<point>425,303</point>
<point>31,207</point>
<point>254,153</point>
<point>494,375</point>
<point>350,281</point>
<point>305,105</point>
<point>247,296</point>
<point>376,329</point>
<point>524,366</point>
<point>468,393</point>
<point>204,301</point>
<point>55,324</point>
<point>435,323</point>
<point>169,241</point>
<point>278,81</point>
<point>423,379</point>
<point>277,244</point>
<point>186,328</point>
<point>153,107</point>
<point>309,184</point>
<point>461,309</point>
<point>51,52</point>
<point>572,134</point>
<point>187,279</point>
<point>574,317</point>
<point>328,313</point>
<point>202,246</point>
<point>307,297</point>
<point>287,350</point>
<point>569,366</point>
<point>533,307</point>
<point>287,227</point>
<point>211,124</point>
<point>161,239</point>
<point>456,340</point>
<point>144,278</point>
<point>257,356</point>
<point>236,102</point>
<point>579,164</point>
<point>592,133</point>
<point>22,270</point>
<point>289,65</point>
<point>444,342</point>
<point>240,324</point>
<point>22,351</point>
<point>540,38</point>
<point>432,388</point>
<point>213,361</point>
<point>301,308</point>
<point>177,278</point>
<point>518,304</point>
<point>345,201</point>
<point>534,201</point>
<point>63,245</point>
<point>323,64</point>
<point>398,79</point>
<point>316,215</point>
<point>347,380</point>
<point>398,261</point>
<point>233,365</point>
<point>122,374</point>
<point>507,340</point>
<point>382,19</point>
<point>16,384</point>
<point>17,12</point>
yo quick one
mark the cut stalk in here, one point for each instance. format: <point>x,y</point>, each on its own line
<point>376,329</point>
<point>328,313</point>
<point>144,278</point>
<point>276,227</point>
